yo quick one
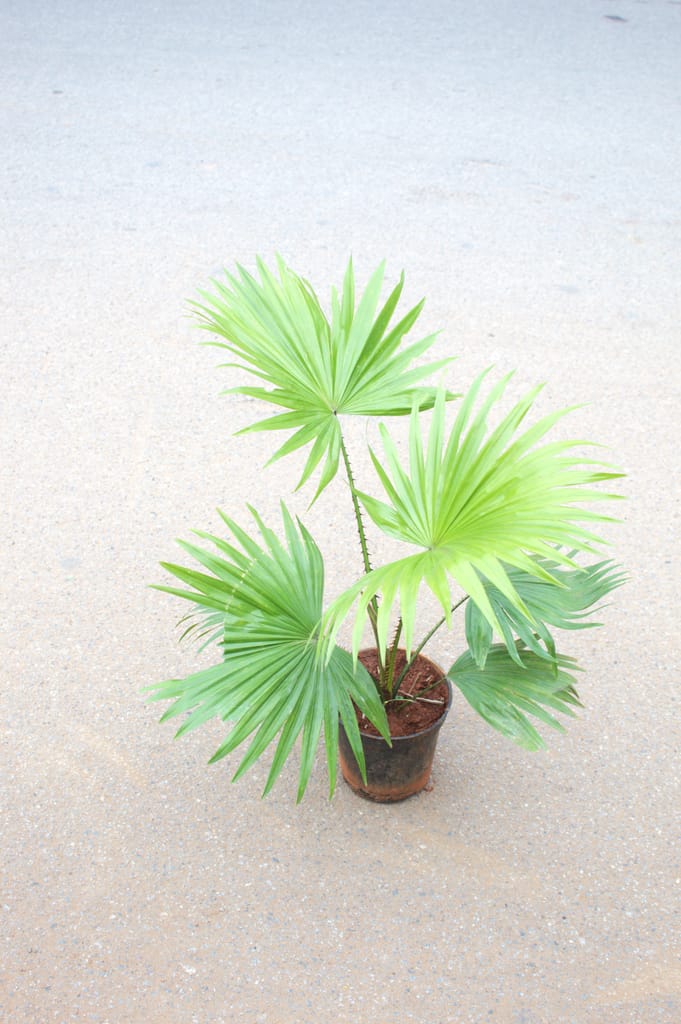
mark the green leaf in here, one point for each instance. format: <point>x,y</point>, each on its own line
<point>476,503</point>
<point>479,634</point>
<point>564,598</point>
<point>313,368</point>
<point>272,682</point>
<point>505,693</point>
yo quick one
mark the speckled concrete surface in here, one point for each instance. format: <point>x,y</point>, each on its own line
<point>521,162</point>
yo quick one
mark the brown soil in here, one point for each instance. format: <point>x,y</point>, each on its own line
<point>406,717</point>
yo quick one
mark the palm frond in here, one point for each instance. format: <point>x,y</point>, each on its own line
<point>271,681</point>
<point>505,693</point>
<point>475,501</point>
<point>566,603</point>
<point>314,368</point>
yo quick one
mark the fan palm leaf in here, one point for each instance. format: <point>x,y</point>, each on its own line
<point>505,693</point>
<point>272,681</point>
<point>474,501</point>
<point>563,604</point>
<point>316,368</point>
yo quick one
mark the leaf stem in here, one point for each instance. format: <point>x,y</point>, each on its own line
<point>373,606</point>
<point>425,640</point>
<point>389,682</point>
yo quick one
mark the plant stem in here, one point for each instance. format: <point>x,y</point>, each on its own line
<point>425,640</point>
<point>389,686</point>
<point>373,606</point>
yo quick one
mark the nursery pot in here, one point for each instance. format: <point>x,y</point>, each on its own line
<point>396,772</point>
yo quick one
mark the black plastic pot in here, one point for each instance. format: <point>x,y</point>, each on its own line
<point>396,772</point>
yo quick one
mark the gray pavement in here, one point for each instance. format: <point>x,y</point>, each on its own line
<point>521,162</point>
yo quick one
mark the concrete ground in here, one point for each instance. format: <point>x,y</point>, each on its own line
<point>521,162</point>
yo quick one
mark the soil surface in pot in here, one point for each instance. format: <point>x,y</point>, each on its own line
<point>406,717</point>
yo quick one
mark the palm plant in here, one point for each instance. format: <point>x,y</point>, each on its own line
<point>492,518</point>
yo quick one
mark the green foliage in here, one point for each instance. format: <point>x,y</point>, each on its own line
<point>271,680</point>
<point>505,692</point>
<point>474,500</point>
<point>316,368</point>
<point>563,603</point>
<point>493,516</point>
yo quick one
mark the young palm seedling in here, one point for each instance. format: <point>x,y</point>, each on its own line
<point>495,519</point>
